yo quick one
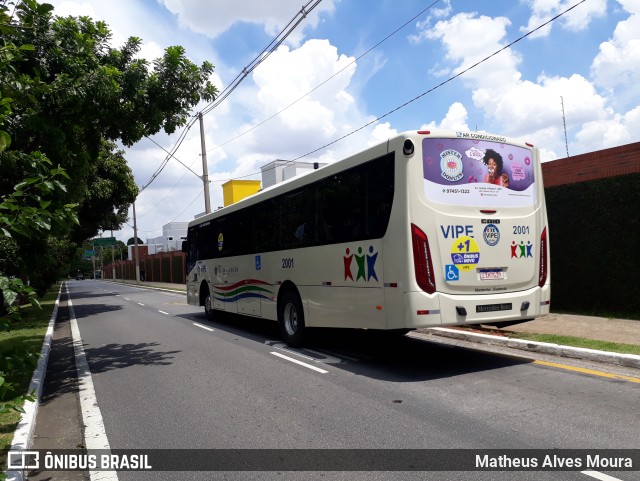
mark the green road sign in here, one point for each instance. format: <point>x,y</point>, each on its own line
<point>88,254</point>
<point>104,241</point>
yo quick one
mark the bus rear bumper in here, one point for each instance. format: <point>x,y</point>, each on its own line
<point>424,310</point>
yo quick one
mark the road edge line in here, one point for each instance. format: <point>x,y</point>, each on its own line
<point>95,435</point>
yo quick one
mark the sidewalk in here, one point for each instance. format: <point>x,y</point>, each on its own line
<point>622,331</point>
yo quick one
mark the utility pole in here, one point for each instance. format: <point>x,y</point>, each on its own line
<point>113,260</point>
<point>564,123</point>
<point>135,244</point>
<point>205,168</point>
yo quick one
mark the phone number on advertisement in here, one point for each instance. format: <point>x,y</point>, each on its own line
<point>456,191</point>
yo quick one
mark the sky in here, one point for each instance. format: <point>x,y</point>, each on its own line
<point>367,70</point>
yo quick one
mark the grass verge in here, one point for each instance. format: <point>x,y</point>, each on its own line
<point>579,342</point>
<point>26,335</point>
<point>634,316</point>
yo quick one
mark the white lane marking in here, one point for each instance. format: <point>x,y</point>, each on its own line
<point>95,436</point>
<point>328,358</point>
<point>162,312</point>
<point>299,362</point>
<point>279,346</point>
<point>323,356</point>
<point>337,354</point>
<point>127,299</point>
<point>140,304</point>
<point>600,476</point>
<point>202,327</point>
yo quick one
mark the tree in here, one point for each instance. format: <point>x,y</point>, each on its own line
<point>66,97</point>
<point>73,96</point>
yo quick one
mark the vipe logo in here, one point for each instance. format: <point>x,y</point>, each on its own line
<point>19,460</point>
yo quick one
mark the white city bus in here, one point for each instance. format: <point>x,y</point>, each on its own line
<point>430,228</point>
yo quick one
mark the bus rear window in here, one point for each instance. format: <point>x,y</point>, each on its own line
<point>484,173</point>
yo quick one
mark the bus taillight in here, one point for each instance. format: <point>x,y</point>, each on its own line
<point>542,278</point>
<point>422,260</point>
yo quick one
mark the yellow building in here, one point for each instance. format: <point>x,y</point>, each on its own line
<point>235,190</point>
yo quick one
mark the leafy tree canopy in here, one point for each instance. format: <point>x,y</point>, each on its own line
<point>67,97</point>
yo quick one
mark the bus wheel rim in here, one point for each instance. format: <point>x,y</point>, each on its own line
<point>291,319</point>
<point>208,304</point>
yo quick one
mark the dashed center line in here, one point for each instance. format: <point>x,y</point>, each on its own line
<point>140,304</point>
<point>162,312</point>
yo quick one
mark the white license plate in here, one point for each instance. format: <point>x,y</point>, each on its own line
<point>492,275</point>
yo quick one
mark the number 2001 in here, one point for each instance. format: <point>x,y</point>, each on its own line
<point>287,263</point>
<point>520,229</point>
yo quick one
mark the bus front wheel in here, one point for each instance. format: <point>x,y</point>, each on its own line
<point>291,319</point>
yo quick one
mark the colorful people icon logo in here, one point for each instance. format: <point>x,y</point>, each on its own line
<point>347,265</point>
<point>360,263</point>
<point>366,271</point>
<point>371,263</point>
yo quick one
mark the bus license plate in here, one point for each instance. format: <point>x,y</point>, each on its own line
<point>492,275</point>
<point>494,307</point>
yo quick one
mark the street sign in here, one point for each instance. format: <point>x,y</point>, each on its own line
<point>104,241</point>
<point>88,254</point>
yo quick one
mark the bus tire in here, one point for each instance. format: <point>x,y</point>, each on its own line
<point>291,318</point>
<point>208,302</point>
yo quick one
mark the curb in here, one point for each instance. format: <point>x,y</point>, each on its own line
<point>626,360</point>
<point>146,286</point>
<point>23,435</point>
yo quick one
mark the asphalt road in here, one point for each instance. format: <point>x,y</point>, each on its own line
<point>167,378</point>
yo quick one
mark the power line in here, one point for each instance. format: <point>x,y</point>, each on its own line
<point>174,186</point>
<point>427,91</point>
<point>176,218</point>
<point>327,80</point>
<point>261,57</point>
<point>509,45</point>
<point>441,83</point>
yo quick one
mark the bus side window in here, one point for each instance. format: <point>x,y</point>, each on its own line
<point>265,225</point>
<point>297,228</point>
<point>340,207</point>
<point>379,188</point>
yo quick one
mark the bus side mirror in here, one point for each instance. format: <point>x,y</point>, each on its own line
<point>185,246</point>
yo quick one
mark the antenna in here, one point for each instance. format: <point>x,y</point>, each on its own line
<point>564,123</point>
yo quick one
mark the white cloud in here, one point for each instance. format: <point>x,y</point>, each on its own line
<point>524,108</point>
<point>456,119</point>
<point>468,38</point>
<point>75,9</point>
<point>322,115</point>
<point>617,65</point>
<point>574,20</point>
<point>615,130</point>
<point>212,18</point>
<point>380,133</point>
<point>424,26</point>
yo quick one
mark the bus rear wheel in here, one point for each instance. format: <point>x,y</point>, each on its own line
<point>291,319</point>
<point>208,303</point>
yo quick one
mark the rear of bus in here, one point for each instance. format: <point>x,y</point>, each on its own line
<point>479,248</point>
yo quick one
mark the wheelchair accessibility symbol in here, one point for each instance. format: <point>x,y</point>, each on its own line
<point>451,272</point>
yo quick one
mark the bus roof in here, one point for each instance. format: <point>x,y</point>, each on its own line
<point>353,160</point>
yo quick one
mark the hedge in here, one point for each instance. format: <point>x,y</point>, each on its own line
<point>594,229</point>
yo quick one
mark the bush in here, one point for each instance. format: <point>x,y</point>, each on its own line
<point>594,232</point>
